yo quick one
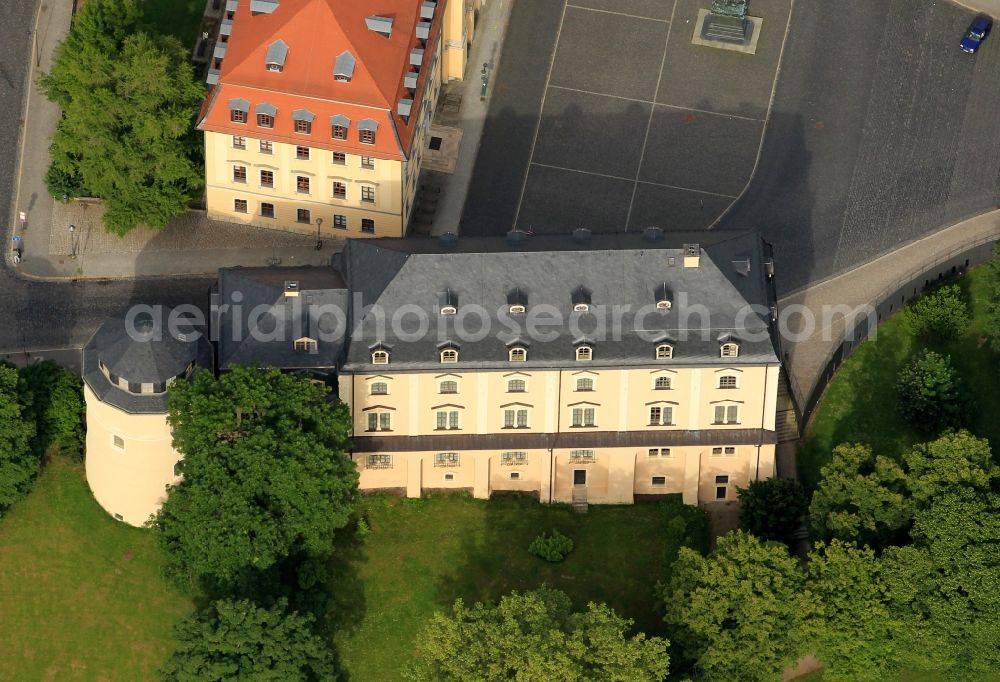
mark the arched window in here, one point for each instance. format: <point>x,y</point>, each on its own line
<point>585,384</point>
<point>515,386</point>
<point>518,354</point>
<point>449,355</point>
<point>727,381</point>
<point>584,353</point>
<point>661,383</point>
<point>380,357</point>
<point>664,351</point>
<point>730,350</point>
<point>380,388</point>
<point>449,386</point>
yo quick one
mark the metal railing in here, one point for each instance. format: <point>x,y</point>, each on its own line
<point>890,300</point>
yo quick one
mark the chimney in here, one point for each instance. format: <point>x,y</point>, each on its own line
<point>692,255</point>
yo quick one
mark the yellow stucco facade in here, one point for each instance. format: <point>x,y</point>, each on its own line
<point>509,430</point>
<point>272,182</point>
<point>130,460</point>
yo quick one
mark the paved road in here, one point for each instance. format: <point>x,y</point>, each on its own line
<point>51,315</point>
<point>881,131</point>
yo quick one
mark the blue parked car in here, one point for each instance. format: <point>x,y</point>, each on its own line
<point>976,34</point>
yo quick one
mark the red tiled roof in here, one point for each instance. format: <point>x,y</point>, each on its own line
<point>316,32</point>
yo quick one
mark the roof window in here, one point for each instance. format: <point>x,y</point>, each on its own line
<point>343,68</point>
<point>276,54</point>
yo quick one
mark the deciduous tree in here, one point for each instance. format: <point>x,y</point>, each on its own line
<point>54,402</point>
<point>939,315</point>
<point>772,509</point>
<point>955,460</point>
<point>239,640</point>
<point>854,626</point>
<point>128,100</point>
<point>741,613</point>
<point>265,473</point>
<point>18,464</point>
<point>535,636</point>
<point>861,498</point>
<point>930,394</point>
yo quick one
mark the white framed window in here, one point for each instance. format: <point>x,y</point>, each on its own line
<point>446,459</point>
<point>584,353</point>
<point>514,458</point>
<point>581,307</point>
<point>379,388</point>
<point>378,461</point>
<point>727,414</point>
<point>661,415</point>
<point>380,357</point>
<point>448,386</point>
<point>585,384</point>
<point>662,384</point>
<point>447,420</point>
<point>516,386</point>
<point>379,421</point>
<point>727,381</point>
<point>582,416</point>
<point>117,442</point>
<point>517,309</point>
<point>515,418</point>
<point>721,451</point>
<point>582,456</point>
<point>664,351</point>
<point>658,452</point>
<point>730,350</point>
<point>449,356</point>
<point>517,354</point>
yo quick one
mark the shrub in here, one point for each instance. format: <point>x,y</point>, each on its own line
<point>930,394</point>
<point>553,547</point>
<point>941,314</point>
<point>686,526</point>
<point>772,509</point>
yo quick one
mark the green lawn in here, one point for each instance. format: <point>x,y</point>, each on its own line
<point>81,597</point>
<point>179,18</point>
<point>422,554</point>
<point>859,404</point>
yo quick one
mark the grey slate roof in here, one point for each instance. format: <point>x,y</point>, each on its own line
<point>260,324</point>
<point>616,270</point>
<point>139,362</point>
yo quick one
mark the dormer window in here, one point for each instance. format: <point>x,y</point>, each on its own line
<point>265,115</point>
<point>664,351</point>
<point>517,354</point>
<point>276,54</point>
<point>306,344</point>
<point>338,126</point>
<point>664,299</point>
<point>448,301</point>
<point>517,302</point>
<point>238,110</point>
<point>730,350</point>
<point>584,353</point>
<point>581,300</point>
<point>303,121</point>
<point>380,357</point>
<point>366,131</point>
<point>449,356</point>
<point>343,68</point>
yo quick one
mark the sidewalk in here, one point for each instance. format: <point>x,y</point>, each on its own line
<point>863,284</point>
<point>471,118</point>
<point>190,245</point>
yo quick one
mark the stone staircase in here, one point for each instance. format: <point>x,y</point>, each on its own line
<point>786,422</point>
<point>580,505</point>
